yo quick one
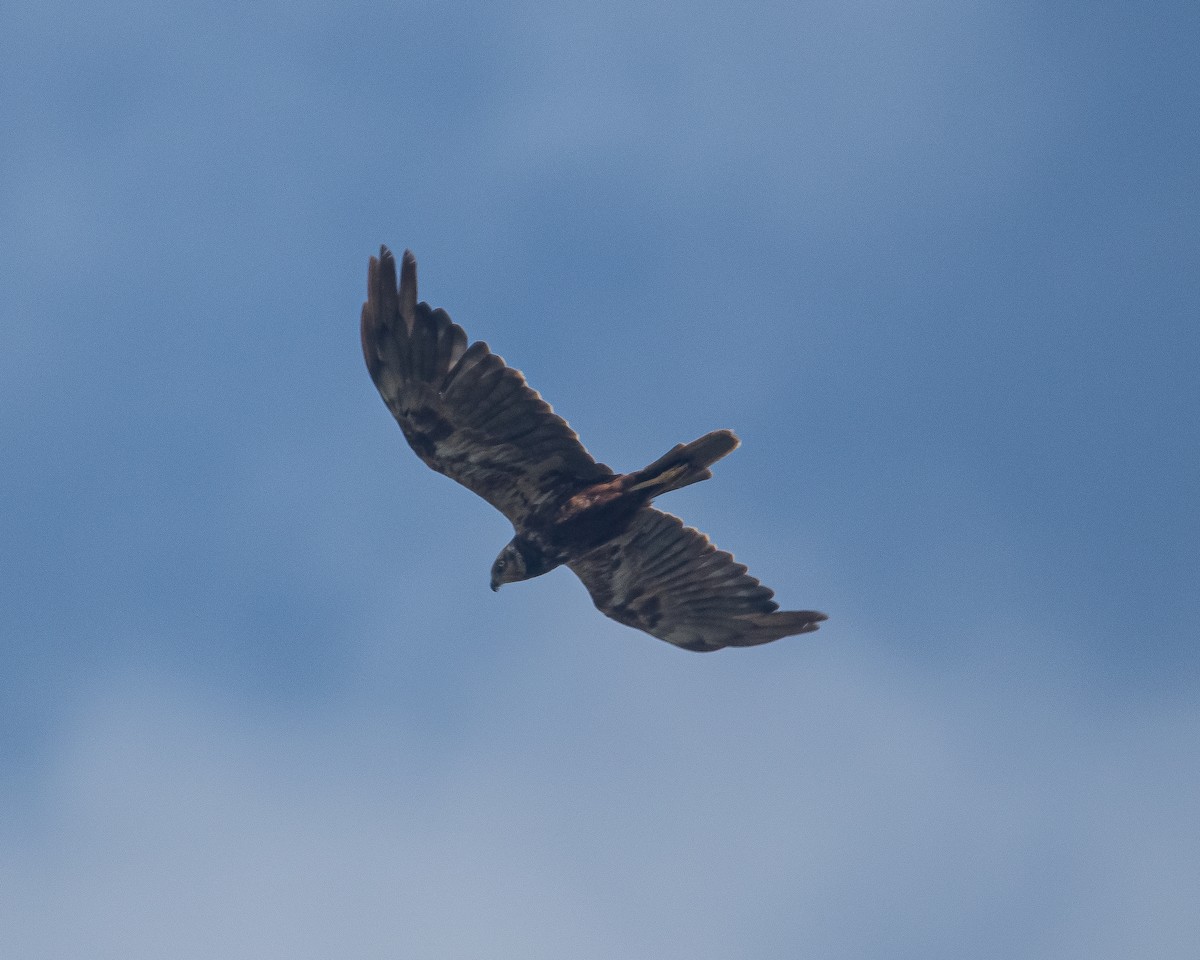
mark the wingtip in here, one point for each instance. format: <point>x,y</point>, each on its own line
<point>408,287</point>
<point>381,302</point>
<point>783,623</point>
<point>382,268</point>
<point>814,618</point>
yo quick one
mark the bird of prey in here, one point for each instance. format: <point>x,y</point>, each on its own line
<point>471,417</point>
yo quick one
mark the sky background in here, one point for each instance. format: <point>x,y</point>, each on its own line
<point>935,263</point>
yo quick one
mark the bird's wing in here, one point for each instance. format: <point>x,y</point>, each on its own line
<point>463,411</point>
<point>670,581</point>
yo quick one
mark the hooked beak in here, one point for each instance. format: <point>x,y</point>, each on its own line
<point>495,586</point>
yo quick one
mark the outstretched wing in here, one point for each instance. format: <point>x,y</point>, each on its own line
<point>670,581</point>
<point>463,411</point>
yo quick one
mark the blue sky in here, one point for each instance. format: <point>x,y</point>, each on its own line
<point>935,263</point>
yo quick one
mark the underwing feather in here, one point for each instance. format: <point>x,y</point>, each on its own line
<point>703,599</point>
<point>440,389</point>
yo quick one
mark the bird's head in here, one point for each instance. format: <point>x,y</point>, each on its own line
<point>510,566</point>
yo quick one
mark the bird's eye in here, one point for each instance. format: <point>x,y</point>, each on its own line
<point>500,564</point>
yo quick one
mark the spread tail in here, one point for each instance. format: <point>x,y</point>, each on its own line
<point>685,463</point>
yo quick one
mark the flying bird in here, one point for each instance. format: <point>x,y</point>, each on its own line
<point>471,417</point>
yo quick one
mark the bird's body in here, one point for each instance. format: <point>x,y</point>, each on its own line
<point>469,416</point>
<point>570,527</point>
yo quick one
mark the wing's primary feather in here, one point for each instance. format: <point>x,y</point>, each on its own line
<point>669,580</point>
<point>463,411</point>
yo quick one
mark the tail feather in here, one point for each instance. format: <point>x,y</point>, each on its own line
<point>685,463</point>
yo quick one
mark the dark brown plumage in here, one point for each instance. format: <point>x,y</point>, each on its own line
<point>469,416</point>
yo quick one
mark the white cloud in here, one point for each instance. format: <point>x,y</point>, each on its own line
<point>616,800</point>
